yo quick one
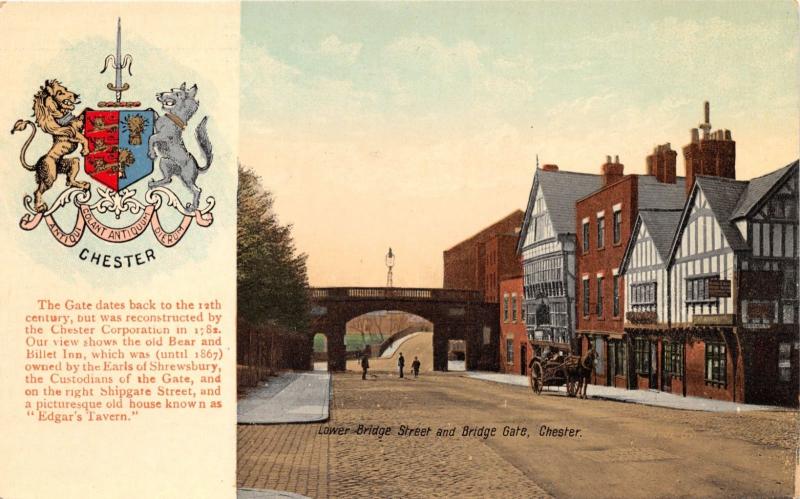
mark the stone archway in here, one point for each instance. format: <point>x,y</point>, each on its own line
<point>455,314</point>
<point>320,355</point>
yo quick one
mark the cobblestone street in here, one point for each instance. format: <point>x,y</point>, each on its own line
<point>620,450</point>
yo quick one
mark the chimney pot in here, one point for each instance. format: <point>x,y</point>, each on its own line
<point>661,164</point>
<point>612,172</point>
<point>550,168</point>
<point>712,154</point>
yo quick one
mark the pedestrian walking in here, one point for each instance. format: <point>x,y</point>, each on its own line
<point>364,364</point>
<point>415,366</point>
<point>401,363</point>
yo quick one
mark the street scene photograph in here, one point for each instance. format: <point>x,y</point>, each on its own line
<point>518,250</point>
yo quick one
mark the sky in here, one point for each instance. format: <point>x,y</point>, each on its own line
<point>415,125</point>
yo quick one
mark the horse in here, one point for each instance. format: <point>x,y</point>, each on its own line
<point>585,368</point>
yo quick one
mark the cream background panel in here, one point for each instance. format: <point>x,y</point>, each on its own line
<point>158,454</point>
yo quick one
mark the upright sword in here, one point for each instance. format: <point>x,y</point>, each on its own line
<point>118,63</point>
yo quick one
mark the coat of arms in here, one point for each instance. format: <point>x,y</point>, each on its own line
<point>121,143</point>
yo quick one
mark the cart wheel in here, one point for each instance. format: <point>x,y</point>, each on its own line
<point>536,377</point>
<point>572,388</point>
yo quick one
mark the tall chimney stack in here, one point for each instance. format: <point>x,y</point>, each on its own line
<point>662,163</point>
<point>612,171</point>
<point>714,154</point>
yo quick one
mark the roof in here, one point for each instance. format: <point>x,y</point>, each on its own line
<point>561,189</point>
<point>723,195</point>
<point>758,188</point>
<point>493,230</point>
<point>731,199</point>
<point>658,195</point>
<point>661,224</point>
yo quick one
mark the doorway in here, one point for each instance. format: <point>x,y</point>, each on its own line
<point>523,359</point>
<point>320,355</point>
<point>653,364</point>
<point>666,361</point>
<point>456,355</point>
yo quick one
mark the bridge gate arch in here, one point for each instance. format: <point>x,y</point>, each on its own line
<point>455,314</point>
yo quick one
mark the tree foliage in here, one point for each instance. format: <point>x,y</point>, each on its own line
<point>272,281</point>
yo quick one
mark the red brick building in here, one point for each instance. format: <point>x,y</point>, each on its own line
<point>485,259</point>
<point>604,221</point>
<point>514,348</point>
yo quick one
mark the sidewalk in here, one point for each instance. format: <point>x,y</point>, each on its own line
<point>301,397</point>
<point>644,397</point>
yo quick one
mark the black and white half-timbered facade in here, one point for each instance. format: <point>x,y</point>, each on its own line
<point>547,249</point>
<point>655,362</point>
<point>716,314</point>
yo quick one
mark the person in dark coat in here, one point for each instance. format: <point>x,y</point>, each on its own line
<point>415,366</point>
<point>364,364</point>
<point>401,363</point>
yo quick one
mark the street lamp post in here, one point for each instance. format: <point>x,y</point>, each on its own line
<point>389,265</point>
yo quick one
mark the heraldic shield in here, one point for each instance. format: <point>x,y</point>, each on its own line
<point>118,146</point>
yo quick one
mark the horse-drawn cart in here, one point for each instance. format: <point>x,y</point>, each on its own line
<point>553,372</point>
<point>569,370</point>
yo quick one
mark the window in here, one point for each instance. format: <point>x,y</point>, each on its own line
<point>697,290</point>
<point>617,227</point>
<point>505,307</point>
<point>789,284</point>
<point>510,351</point>
<point>785,362</point>
<point>585,237</point>
<point>789,313</point>
<point>716,364</point>
<point>601,229</point>
<point>673,358</point>
<point>586,297</point>
<point>545,277</point>
<point>522,311</point>
<point>643,297</point>
<point>761,312</point>
<point>616,296</point>
<point>558,312</point>
<point>514,307</point>
<point>599,305</point>
<point>641,347</point>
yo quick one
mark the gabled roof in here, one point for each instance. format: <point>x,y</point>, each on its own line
<point>759,187</point>
<point>655,195</point>
<point>561,189</point>
<point>723,195</point>
<point>661,224</point>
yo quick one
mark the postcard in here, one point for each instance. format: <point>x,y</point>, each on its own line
<point>551,249</point>
<point>119,230</point>
<point>400,249</point>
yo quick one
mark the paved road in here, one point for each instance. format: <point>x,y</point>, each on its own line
<point>621,450</point>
